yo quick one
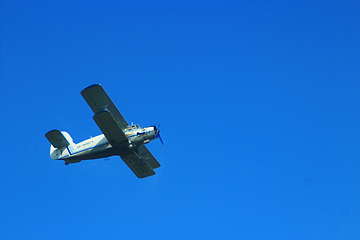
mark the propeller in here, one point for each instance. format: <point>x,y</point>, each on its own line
<point>157,133</point>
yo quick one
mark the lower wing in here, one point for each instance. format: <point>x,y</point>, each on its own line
<point>138,165</point>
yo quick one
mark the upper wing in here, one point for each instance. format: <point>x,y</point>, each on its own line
<point>138,165</point>
<point>56,139</point>
<point>98,100</point>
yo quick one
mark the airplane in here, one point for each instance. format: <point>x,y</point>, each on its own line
<point>118,138</point>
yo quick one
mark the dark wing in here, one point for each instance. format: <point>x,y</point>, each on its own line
<point>107,116</point>
<point>112,123</point>
<point>149,158</point>
<point>98,100</point>
<point>137,164</point>
<point>111,129</point>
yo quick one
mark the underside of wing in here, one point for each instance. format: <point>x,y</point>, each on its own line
<point>138,165</point>
<point>98,100</point>
<point>112,131</point>
<point>149,158</point>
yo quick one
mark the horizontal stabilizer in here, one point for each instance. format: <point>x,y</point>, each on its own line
<point>57,139</point>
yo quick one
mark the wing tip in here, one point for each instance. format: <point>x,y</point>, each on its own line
<point>91,86</point>
<point>145,176</point>
<point>50,132</point>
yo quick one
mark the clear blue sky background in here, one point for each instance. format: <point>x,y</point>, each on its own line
<point>259,109</point>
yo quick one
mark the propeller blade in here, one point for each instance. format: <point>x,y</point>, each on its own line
<point>161,140</point>
<point>157,133</point>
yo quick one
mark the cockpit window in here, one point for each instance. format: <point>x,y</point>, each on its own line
<point>132,127</point>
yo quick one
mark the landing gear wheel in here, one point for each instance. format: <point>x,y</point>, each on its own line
<point>66,163</point>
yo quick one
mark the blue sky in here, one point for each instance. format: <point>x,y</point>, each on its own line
<point>258,104</point>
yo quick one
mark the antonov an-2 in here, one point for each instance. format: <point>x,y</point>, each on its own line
<point>118,138</point>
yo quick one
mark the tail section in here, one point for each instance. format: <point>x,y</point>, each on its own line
<point>59,142</point>
<point>57,139</point>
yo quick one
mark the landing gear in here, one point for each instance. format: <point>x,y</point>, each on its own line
<point>66,163</point>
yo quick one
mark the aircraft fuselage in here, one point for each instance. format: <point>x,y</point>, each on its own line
<point>99,146</point>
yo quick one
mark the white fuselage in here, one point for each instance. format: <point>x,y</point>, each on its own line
<point>99,146</point>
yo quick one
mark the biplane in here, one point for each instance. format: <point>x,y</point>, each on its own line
<point>118,138</point>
